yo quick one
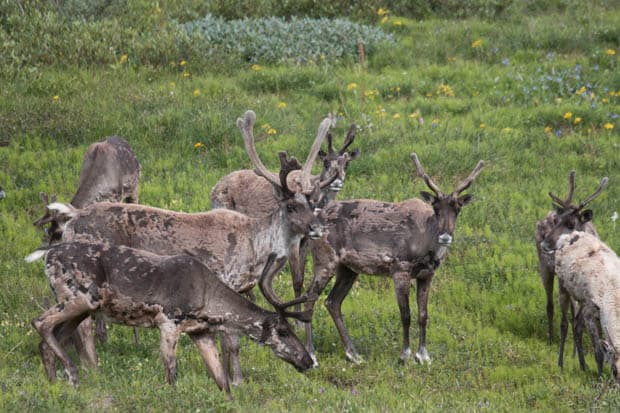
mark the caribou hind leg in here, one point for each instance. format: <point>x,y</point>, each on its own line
<point>402,284</point>
<point>208,350</point>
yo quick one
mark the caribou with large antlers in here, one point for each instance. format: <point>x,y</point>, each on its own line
<point>546,261</point>
<point>405,240</point>
<point>251,194</point>
<point>177,294</point>
<point>235,246</point>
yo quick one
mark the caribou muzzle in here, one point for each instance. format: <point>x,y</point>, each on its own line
<point>337,185</point>
<point>445,239</point>
<point>315,231</point>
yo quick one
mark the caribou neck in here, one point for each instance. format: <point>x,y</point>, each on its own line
<point>273,235</point>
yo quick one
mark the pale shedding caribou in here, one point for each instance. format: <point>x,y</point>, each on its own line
<point>235,246</point>
<point>546,261</point>
<point>177,294</point>
<point>251,194</point>
<point>588,271</point>
<point>405,240</point>
<point>110,172</point>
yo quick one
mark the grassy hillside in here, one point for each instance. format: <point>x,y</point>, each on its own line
<point>535,95</point>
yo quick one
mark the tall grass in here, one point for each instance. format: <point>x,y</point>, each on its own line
<point>535,97</point>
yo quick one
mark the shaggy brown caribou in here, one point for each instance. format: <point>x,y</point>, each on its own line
<point>251,194</point>
<point>110,172</point>
<point>177,294</point>
<point>589,272</point>
<point>546,260</point>
<point>405,240</point>
<point>235,246</point>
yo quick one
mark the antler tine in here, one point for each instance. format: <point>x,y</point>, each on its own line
<point>266,285</point>
<point>596,193</point>
<point>558,201</point>
<point>423,175</point>
<point>571,187</point>
<point>349,139</point>
<point>246,126</point>
<point>330,143</point>
<point>467,182</point>
<point>314,151</point>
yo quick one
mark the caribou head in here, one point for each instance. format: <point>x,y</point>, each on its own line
<point>570,217</point>
<point>335,162</point>
<point>446,207</point>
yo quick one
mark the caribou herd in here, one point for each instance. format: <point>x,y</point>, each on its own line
<point>194,273</point>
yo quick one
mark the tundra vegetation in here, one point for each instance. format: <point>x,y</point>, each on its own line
<point>530,87</point>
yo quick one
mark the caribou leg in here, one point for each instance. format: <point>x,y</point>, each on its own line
<point>402,284</point>
<point>423,287</point>
<point>208,350</point>
<point>230,347</point>
<point>592,321</point>
<point>564,303</point>
<point>168,340</point>
<point>345,278</point>
<point>547,280</point>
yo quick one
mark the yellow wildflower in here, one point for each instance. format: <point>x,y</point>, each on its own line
<point>351,87</point>
<point>581,90</point>
<point>476,43</point>
<point>610,52</point>
<point>199,145</point>
<point>271,131</point>
<point>196,92</point>
<point>384,19</point>
<point>281,105</point>
<point>186,74</point>
<point>56,98</point>
<point>123,58</point>
<point>482,126</point>
<point>396,116</point>
<point>256,67</point>
<point>382,12</point>
<point>398,22</point>
<point>608,126</point>
<point>371,94</point>
<point>577,120</point>
<point>568,115</point>
<point>182,63</point>
<point>604,100</point>
<point>548,129</point>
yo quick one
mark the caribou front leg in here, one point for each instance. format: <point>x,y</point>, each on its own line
<point>423,286</point>
<point>402,284</point>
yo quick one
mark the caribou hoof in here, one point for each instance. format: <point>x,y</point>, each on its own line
<point>354,358</point>
<point>422,357</point>
<point>405,355</point>
<point>315,362</point>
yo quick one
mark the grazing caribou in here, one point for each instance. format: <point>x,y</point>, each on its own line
<point>545,260</point>
<point>110,172</point>
<point>405,240</point>
<point>251,194</point>
<point>177,294</point>
<point>235,246</point>
<point>589,272</point>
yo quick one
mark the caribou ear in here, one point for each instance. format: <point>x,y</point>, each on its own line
<point>587,215</point>
<point>354,154</point>
<point>465,199</point>
<point>427,197</point>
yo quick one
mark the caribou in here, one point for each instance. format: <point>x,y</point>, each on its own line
<point>235,246</point>
<point>177,294</point>
<point>588,271</point>
<point>405,240</point>
<point>110,172</point>
<point>546,261</point>
<point>251,194</point>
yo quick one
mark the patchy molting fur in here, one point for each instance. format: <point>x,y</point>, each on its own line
<point>590,272</point>
<point>174,293</point>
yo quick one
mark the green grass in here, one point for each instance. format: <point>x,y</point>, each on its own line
<point>487,328</point>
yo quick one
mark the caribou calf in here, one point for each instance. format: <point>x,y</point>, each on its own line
<point>405,240</point>
<point>177,294</point>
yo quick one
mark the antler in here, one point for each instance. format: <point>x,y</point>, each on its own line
<point>314,151</point>
<point>596,193</point>
<point>424,176</point>
<point>246,126</point>
<point>467,182</point>
<point>349,139</point>
<point>571,187</point>
<point>266,287</point>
